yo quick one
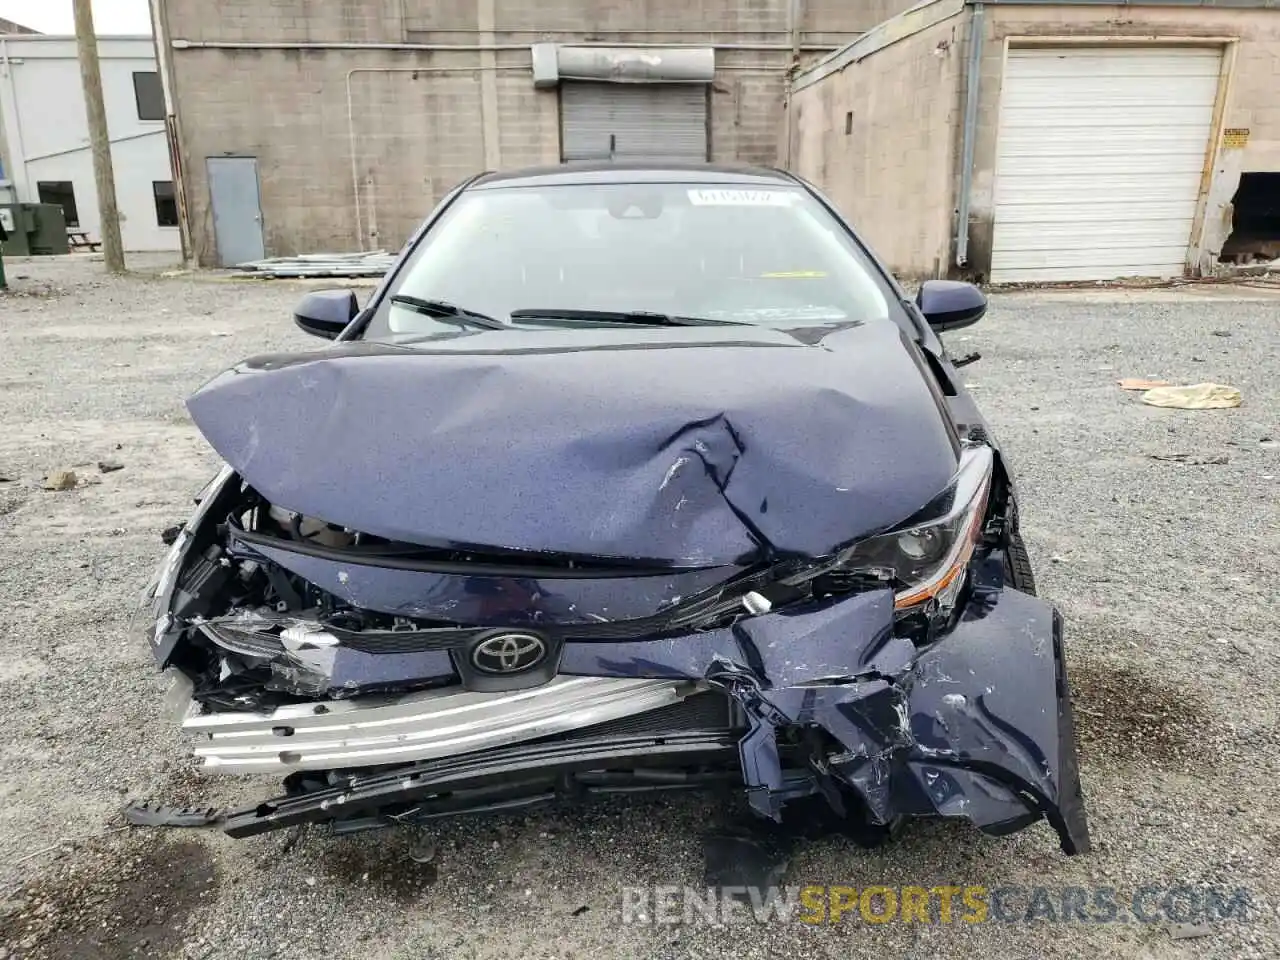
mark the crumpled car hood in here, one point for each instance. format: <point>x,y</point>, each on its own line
<point>685,453</point>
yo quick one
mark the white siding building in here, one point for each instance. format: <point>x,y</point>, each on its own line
<point>44,137</point>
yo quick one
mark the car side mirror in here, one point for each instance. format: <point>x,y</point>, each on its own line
<point>326,313</point>
<point>950,304</point>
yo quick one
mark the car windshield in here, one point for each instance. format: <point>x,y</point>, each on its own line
<point>770,255</point>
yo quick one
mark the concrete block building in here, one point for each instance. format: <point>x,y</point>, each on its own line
<point>44,135</point>
<point>311,125</point>
<point>1051,140</point>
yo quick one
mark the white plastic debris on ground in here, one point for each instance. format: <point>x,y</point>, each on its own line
<point>373,263</point>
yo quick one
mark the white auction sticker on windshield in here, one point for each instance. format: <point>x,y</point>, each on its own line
<point>741,198</point>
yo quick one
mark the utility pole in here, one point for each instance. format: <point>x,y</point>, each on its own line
<point>96,114</point>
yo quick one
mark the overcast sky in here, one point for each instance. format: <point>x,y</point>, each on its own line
<point>54,16</point>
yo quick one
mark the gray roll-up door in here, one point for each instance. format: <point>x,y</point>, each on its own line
<point>650,121</point>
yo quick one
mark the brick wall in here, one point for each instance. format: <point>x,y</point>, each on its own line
<point>603,16</point>
<point>746,104</point>
<point>411,138</point>
<point>880,138</point>
<point>294,20</point>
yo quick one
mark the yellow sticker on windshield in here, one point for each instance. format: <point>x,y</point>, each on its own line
<point>794,275</point>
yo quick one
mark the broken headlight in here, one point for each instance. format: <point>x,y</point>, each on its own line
<point>160,606</point>
<point>926,560</point>
<point>150,618</point>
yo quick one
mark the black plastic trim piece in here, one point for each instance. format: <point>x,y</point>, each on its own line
<point>508,765</point>
<point>391,560</point>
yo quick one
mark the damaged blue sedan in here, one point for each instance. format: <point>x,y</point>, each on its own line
<point>627,477</point>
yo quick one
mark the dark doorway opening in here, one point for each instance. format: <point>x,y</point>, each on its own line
<point>166,203</point>
<point>62,193</point>
<point>1255,220</point>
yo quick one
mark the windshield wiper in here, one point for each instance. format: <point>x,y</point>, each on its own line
<point>444,310</point>
<point>639,317</point>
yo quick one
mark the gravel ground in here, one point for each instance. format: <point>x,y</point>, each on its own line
<point>1166,572</point>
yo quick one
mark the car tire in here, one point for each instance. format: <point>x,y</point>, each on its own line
<point>1017,562</point>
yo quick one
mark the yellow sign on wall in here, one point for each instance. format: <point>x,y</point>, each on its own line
<point>1235,136</point>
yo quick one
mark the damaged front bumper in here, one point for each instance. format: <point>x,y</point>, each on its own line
<point>418,726</point>
<point>823,700</point>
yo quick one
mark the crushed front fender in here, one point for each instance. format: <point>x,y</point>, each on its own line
<point>978,725</point>
<point>991,722</point>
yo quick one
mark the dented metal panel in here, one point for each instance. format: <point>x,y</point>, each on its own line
<point>688,455</point>
<point>481,600</point>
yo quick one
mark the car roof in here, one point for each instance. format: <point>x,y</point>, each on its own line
<point>633,171</point>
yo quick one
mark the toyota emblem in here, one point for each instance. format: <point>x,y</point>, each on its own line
<point>509,653</point>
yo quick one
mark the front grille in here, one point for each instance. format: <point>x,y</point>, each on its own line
<point>709,711</point>
<point>668,623</point>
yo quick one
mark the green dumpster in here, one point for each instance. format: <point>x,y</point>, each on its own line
<point>34,229</point>
<point>17,224</point>
<point>49,233</point>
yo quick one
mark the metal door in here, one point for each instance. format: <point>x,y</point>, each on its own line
<point>632,121</point>
<point>237,213</point>
<point>1100,157</point>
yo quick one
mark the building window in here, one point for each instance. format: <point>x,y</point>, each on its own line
<point>63,194</point>
<point>166,205</point>
<point>149,96</point>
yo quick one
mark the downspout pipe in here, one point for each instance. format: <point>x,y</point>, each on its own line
<point>796,12</point>
<point>173,126</point>
<point>351,123</point>
<point>969,133</point>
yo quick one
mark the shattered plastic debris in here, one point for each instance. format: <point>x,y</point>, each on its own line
<point>734,861</point>
<point>1197,396</point>
<point>1195,459</point>
<point>144,813</point>
<point>1141,383</point>
<point>423,852</point>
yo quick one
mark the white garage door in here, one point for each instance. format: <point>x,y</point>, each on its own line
<point>1099,160</point>
<point>633,121</point>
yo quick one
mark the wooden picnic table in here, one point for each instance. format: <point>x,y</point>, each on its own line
<point>79,240</point>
